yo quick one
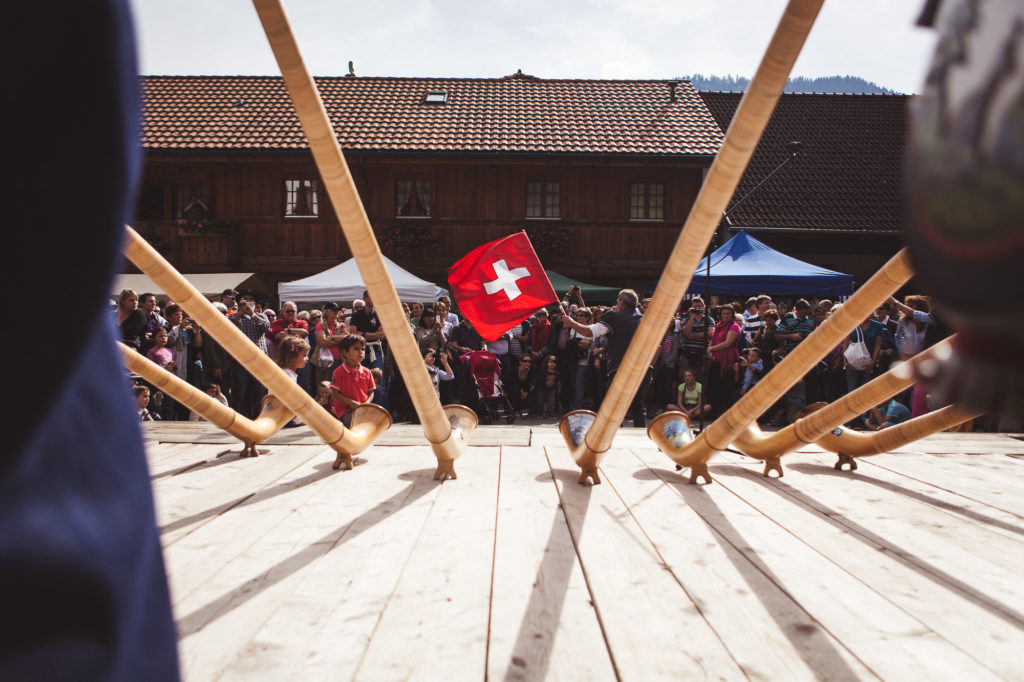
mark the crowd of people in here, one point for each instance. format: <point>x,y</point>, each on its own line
<point>561,358</point>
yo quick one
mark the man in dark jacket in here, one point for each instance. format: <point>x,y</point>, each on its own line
<point>620,324</point>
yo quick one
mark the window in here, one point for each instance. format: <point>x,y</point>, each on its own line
<point>646,201</point>
<point>301,199</point>
<point>412,198</point>
<point>543,199</point>
<point>436,97</point>
<point>192,200</point>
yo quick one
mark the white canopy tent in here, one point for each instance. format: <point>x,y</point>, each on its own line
<point>344,283</point>
<point>209,283</point>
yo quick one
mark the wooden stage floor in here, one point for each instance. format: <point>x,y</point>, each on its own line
<point>911,568</point>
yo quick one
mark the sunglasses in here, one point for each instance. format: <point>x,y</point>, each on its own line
<point>288,312</point>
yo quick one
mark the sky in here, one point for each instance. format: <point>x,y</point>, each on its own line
<point>631,39</point>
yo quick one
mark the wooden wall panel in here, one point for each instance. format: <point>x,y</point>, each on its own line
<point>474,200</point>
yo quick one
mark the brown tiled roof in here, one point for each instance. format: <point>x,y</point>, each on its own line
<point>848,174</point>
<point>517,113</point>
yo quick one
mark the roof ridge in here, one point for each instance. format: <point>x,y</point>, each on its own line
<point>473,79</point>
<point>812,94</point>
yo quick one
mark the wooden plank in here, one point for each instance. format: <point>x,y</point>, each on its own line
<point>955,550</point>
<point>768,633</point>
<point>543,624</point>
<point>322,629</point>
<point>873,472</point>
<point>959,443</point>
<point>653,628</point>
<point>227,482</point>
<point>399,434</point>
<point>157,452</point>
<point>436,619</point>
<point>976,478</point>
<point>966,622</point>
<point>177,458</point>
<point>192,559</point>
<point>892,644</point>
<point>220,618</point>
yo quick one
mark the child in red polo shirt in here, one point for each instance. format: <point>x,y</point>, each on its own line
<point>352,384</point>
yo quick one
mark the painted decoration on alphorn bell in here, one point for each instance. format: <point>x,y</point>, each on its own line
<point>677,432</point>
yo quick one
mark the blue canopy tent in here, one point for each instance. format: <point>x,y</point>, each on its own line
<point>743,266</point>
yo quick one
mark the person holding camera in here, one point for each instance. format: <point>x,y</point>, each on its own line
<point>573,297</point>
<point>695,336</point>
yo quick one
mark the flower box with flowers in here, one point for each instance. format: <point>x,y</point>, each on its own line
<point>547,239</point>
<point>155,238</point>
<point>408,237</point>
<point>203,227</point>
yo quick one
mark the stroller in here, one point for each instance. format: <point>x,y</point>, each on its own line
<point>486,374</point>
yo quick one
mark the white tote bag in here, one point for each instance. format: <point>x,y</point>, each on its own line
<point>857,355</point>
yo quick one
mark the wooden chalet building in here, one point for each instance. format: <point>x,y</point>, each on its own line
<point>602,173</point>
<point>607,169</point>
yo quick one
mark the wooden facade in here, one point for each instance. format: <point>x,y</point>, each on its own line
<point>473,199</point>
<point>606,145</point>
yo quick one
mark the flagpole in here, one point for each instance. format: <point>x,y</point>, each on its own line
<point>744,132</point>
<point>447,428</point>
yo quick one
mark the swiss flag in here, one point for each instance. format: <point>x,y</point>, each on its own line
<point>500,284</point>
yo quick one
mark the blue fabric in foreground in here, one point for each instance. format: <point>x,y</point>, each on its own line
<point>83,586</point>
<point>83,591</point>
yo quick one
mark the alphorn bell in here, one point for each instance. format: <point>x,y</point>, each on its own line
<point>345,442</point>
<point>446,428</point>
<point>589,447</point>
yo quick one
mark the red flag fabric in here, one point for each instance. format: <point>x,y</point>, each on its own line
<point>500,284</point>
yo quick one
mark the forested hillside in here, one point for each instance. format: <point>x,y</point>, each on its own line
<point>732,83</point>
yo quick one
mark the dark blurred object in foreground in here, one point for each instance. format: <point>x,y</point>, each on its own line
<point>966,197</point>
<point>82,581</point>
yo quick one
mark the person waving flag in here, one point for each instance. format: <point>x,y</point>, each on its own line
<point>500,284</point>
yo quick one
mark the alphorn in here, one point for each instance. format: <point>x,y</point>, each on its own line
<point>849,444</point>
<point>809,429</point>
<point>345,442</point>
<point>447,428</point>
<point>273,414</point>
<point>589,436</point>
<point>720,433</point>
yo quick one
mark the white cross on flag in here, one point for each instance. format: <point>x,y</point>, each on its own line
<point>500,284</point>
